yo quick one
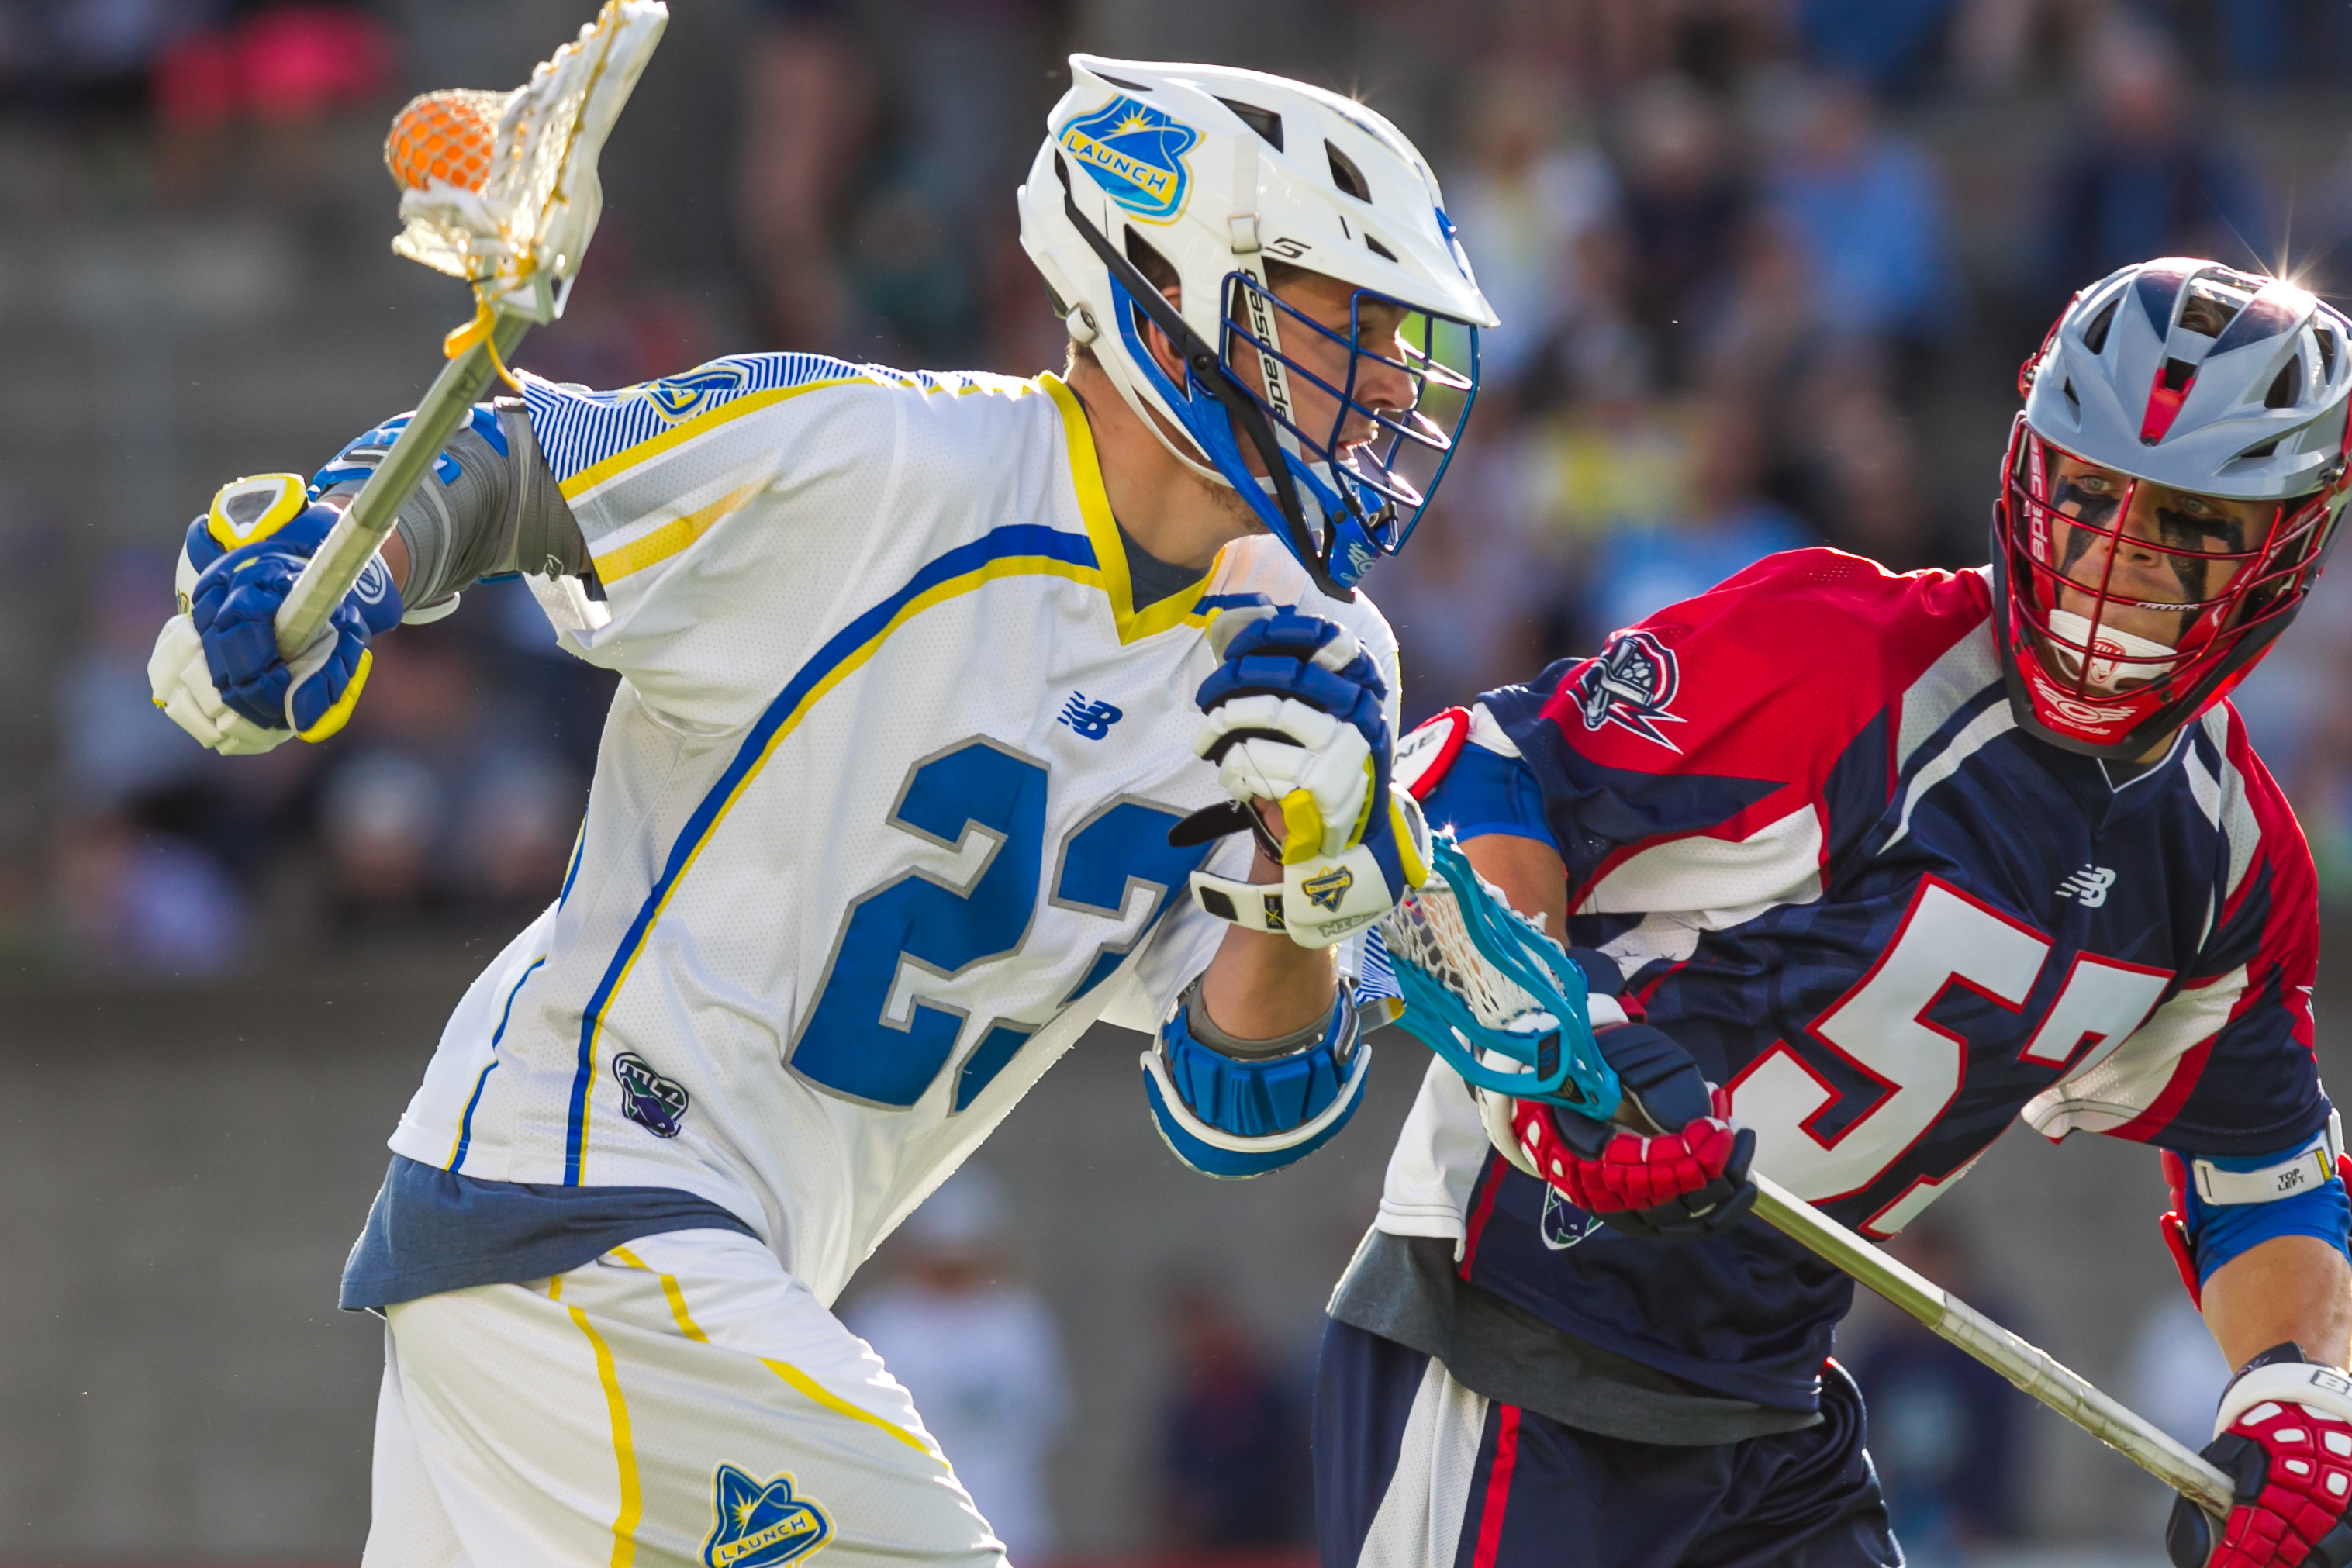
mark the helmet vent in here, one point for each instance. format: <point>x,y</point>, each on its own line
<point>1265,121</point>
<point>2284,389</point>
<point>1346,176</point>
<point>2177,374</point>
<point>1120,81</point>
<point>2072,402</point>
<point>2264,450</point>
<point>2095,331</point>
<point>1377,248</point>
<point>2326,338</point>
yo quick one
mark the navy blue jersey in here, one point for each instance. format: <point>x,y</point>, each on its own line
<point>1797,813</point>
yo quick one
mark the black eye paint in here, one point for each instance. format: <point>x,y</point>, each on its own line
<point>2088,508</point>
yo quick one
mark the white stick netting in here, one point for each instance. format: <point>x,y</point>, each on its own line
<point>1426,931</point>
<point>519,237</point>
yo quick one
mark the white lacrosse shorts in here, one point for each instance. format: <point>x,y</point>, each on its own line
<point>681,1402</point>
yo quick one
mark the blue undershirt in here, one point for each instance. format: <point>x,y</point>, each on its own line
<point>432,1230</point>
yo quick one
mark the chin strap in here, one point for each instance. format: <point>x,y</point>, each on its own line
<point>1209,372</point>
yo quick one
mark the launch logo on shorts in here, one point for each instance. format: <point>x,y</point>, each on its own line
<point>653,1103</point>
<point>1136,153</point>
<point>1631,685</point>
<point>761,1524</point>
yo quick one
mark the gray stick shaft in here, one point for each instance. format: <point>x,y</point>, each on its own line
<point>353,542</point>
<point>2034,1371</point>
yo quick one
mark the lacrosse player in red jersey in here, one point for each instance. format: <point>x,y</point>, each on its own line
<point>914,669</point>
<point>1863,868</point>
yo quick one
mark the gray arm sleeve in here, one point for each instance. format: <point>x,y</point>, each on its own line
<point>498,512</point>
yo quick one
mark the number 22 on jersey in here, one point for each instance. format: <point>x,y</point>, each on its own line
<point>918,921</point>
<point>1881,1028</point>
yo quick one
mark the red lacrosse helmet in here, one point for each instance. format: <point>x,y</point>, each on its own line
<point>2170,492</point>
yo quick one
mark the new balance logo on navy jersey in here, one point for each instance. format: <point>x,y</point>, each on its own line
<point>1091,719</point>
<point>2088,887</point>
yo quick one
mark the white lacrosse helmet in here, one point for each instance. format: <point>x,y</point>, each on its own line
<point>1220,171</point>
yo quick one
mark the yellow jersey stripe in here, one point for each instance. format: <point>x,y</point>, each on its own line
<point>596,474</point>
<point>673,536</point>
<point>821,1394</point>
<point>624,1451</point>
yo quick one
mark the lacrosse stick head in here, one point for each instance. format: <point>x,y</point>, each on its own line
<point>500,188</point>
<point>1491,994</point>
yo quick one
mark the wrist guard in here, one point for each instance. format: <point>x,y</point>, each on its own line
<point>1231,1115</point>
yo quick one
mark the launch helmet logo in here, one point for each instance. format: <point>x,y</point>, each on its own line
<point>1631,685</point>
<point>762,1525</point>
<point>1137,154</point>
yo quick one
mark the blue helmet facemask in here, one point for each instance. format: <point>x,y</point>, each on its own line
<point>1337,510</point>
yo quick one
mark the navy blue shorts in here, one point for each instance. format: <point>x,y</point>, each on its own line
<point>1412,1470</point>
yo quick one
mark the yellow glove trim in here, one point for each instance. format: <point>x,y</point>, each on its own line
<point>244,511</point>
<point>1302,827</point>
<point>1364,817</point>
<point>335,717</point>
<point>1411,839</point>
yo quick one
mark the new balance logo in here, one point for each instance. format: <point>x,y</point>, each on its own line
<point>1092,720</point>
<point>2088,887</point>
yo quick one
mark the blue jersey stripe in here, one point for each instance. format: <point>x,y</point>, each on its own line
<point>465,1123</point>
<point>1031,540</point>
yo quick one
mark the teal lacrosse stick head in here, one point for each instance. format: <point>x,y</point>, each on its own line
<point>1480,980</point>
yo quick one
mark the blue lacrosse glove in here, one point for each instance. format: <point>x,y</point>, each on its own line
<point>234,604</point>
<point>1295,716</point>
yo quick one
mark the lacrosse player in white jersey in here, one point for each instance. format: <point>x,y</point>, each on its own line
<point>914,669</point>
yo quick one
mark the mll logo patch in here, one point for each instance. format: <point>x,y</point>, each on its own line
<point>1136,153</point>
<point>761,1526</point>
<point>653,1103</point>
<point>1630,685</point>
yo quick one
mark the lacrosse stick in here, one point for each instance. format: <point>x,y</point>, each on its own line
<point>498,189</point>
<point>1479,979</point>
<point>1473,972</point>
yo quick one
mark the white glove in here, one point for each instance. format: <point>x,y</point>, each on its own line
<point>184,690</point>
<point>1318,768</point>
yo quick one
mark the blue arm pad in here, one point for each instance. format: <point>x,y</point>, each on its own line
<point>1232,1116</point>
<point>2220,1232</point>
<point>1485,792</point>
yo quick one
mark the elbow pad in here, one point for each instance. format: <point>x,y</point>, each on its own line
<point>2222,1207</point>
<point>1234,1116</point>
<point>491,507</point>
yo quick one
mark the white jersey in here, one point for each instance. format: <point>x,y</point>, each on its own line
<point>881,813</point>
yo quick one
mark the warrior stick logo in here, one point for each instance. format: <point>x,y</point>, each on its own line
<point>1630,685</point>
<point>761,1526</point>
<point>1137,154</point>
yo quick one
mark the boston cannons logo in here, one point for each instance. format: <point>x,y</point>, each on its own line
<point>760,1525</point>
<point>1137,154</point>
<point>1630,685</point>
<point>653,1103</point>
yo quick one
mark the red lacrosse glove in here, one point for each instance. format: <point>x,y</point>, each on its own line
<point>1687,1184</point>
<point>2285,1439</point>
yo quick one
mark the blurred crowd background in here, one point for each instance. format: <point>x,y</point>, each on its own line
<point>1766,270</point>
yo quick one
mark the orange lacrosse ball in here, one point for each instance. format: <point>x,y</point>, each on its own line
<point>442,136</point>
